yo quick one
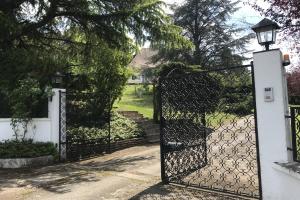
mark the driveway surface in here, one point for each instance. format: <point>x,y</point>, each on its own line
<point>132,173</point>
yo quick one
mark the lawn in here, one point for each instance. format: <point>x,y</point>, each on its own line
<point>136,98</point>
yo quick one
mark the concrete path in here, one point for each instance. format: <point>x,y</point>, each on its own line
<point>132,173</point>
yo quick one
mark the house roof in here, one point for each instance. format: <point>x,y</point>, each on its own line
<point>143,59</point>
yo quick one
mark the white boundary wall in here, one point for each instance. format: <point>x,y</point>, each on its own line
<point>40,129</point>
<point>274,135</point>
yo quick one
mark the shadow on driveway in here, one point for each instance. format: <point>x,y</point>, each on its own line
<point>173,192</point>
<point>59,178</point>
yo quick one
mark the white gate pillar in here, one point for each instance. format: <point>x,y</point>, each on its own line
<point>56,109</point>
<point>272,124</point>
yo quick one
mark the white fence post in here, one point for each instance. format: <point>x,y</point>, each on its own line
<point>54,114</point>
<point>273,126</point>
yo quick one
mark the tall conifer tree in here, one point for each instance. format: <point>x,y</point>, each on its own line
<point>206,23</point>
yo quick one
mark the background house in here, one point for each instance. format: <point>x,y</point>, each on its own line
<point>142,66</point>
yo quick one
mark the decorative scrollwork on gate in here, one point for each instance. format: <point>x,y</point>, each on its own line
<point>208,131</point>
<point>62,126</point>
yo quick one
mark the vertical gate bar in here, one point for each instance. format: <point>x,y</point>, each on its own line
<point>109,118</point>
<point>294,136</point>
<point>203,121</point>
<point>161,120</point>
<point>256,130</point>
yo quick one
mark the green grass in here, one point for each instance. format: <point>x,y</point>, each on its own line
<point>136,99</point>
<point>143,103</point>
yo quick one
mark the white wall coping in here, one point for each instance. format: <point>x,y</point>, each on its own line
<point>33,119</point>
<point>279,166</point>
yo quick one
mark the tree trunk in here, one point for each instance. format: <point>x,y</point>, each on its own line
<point>155,104</point>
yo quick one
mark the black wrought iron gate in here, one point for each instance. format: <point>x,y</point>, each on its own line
<point>208,131</point>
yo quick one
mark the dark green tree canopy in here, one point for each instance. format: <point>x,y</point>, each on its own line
<point>58,32</point>
<point>96,38</point>
<point>40,36</point>
<point>110,20</point>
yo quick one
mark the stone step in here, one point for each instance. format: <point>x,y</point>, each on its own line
<point>148,124</point>
<point>151,129</point>
<point>143,121</point>
<point>130,114</point>
<point>153,139</point>
<point>153,135</point>
<point>135,118</point>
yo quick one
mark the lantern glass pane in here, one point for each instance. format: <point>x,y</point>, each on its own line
<point>258,37</point>
<point>266,36</point>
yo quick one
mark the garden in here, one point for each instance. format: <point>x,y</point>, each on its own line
<point>136,98</point>
<point>88,44</point>
<point>90,52</point>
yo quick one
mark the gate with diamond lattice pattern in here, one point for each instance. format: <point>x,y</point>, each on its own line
<point>208,131</point>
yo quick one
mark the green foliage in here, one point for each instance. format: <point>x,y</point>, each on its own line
<point>173,69</point>
<point>238,101</point>
<point>108,20</point>
<point>228,92</point>
<point>102,80</point>
<point>23,100</point>
<point>237,97</point>
<point>121,128</point>
<point>206,24</point>
<point>24,97</point>
<point>142,90</point>
<point>149,74</point>
<point>40,37</point>
<point>210,86</point>
<point>26,149</point>
<point>147,90</point>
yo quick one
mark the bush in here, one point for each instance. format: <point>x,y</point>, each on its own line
<point>142,90</point>
<point>294,100</point>
<point>26,149</point>
<point>121,128</point>
<point>23,100</point>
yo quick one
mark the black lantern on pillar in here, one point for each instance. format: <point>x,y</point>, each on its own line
<point>57,80</point>
<point>266,32</point>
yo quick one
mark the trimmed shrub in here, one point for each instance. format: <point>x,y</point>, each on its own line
<point>121,128</point>
<point>26,149</point>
